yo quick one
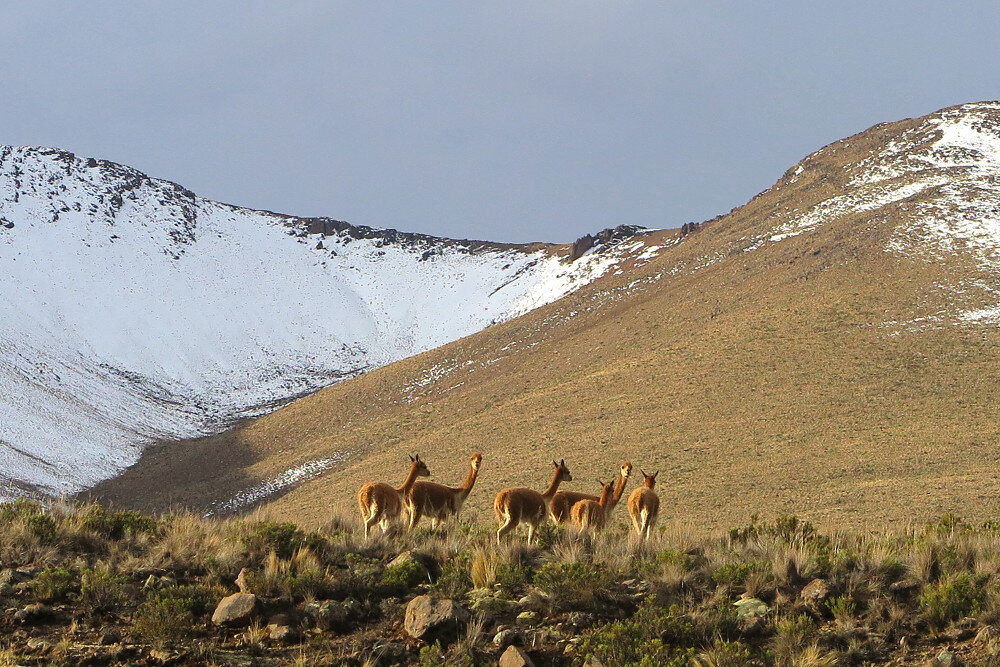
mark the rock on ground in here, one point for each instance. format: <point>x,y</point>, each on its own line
<point>515,657</point>
<point>236,609</point>
<point>426,616</point>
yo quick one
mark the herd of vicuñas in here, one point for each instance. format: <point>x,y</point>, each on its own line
<point>383,504</point>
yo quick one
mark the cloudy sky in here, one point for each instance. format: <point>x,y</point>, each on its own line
<point>512,121</point>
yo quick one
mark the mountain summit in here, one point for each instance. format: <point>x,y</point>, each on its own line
<point>133,311</point>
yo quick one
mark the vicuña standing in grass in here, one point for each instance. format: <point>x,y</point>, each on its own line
<point>590,515</point>
<point>438,501</point>
<point>380,503</point>
<point>644,505</point>
<point>563,501</point>
<point>521,505</point>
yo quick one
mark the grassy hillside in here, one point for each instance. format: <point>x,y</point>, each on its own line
<point>82,585</point>
<point>806,352</point>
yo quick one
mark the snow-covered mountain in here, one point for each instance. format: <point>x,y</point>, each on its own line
<point>133,311</point>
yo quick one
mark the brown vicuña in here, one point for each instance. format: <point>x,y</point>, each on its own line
<point>520,505</point>
<point>380,503</point>
<point>563,501</point>
<point>438,501</point>
<point>644,505</point>
<point>590,515</point>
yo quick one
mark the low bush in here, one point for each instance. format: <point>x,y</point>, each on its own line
<point>573,585</point>
<point>54,584</point>
<point>263,537</point>
<point>100,590</point>
<point>954,598</point>
<point>116,525</point>
<point>400,578</point>
<point>652,636</point>
<point>163,621</point>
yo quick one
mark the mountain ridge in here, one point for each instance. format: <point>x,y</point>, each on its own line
<point>136,312</point>
<point>812,351</point>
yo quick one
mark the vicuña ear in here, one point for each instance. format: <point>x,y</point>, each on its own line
<point>411,457</point>
<point>655,474</point>
<point>555,464</point>
<point>562,462</point>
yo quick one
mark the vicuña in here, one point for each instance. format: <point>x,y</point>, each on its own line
<point>590,515</point>
<point>382,504</point>
<point>563,501</point>
<point>520,505</point>
<point>644,505</point>
<point>438,501</point>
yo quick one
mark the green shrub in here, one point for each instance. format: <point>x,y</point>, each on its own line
<point>164,620</point>
<point>100,590</point>
<point>117,525</point>
<point>787,527</point>
<point>455,579</point>
<point>20,508</point>
<point>652,636</point>
<point>573,585</point>
<point>399,579</point>
<point>42,526</point>
<point>263,537</point>
<point>725,654</point>
<point>792,636</point>
<point>954,598</point>
<point>360,579</point>
<point>197,599</point>
<point>736,574</point>
<point>53,584</point>
<point>842,607</point>
<point>513,578</point>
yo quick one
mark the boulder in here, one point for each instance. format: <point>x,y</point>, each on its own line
<point>943,659</point>
<point>280,633</point>
<point>333,614</point>
<point>109,637</point>
<point>235,610</point>
<point>506,637</point>
<point>33,613</point>
<point>580,620</point>
<point>528,618</point>
<point>815,591</point>
<point>515,656</point>
<point>750,608</point>
<point>427,617</point>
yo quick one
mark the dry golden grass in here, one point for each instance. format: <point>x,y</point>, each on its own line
<point>778,379</point>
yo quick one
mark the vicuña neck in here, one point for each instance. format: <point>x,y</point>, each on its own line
<point>470,481</point>
<point>619,490</point>
<point>605,500</point>
<point>410,479</point>
<point>554,486</point>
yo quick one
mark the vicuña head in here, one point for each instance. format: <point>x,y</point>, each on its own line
<point>380,503</point>
<point>520,505</point>
<point>644,505</point>
<point>591,515</point>
<point>438,501</point>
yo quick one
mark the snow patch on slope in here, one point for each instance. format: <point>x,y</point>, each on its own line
<point>133,311</point>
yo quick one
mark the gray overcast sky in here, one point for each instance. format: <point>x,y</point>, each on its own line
<point>511,121</point>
